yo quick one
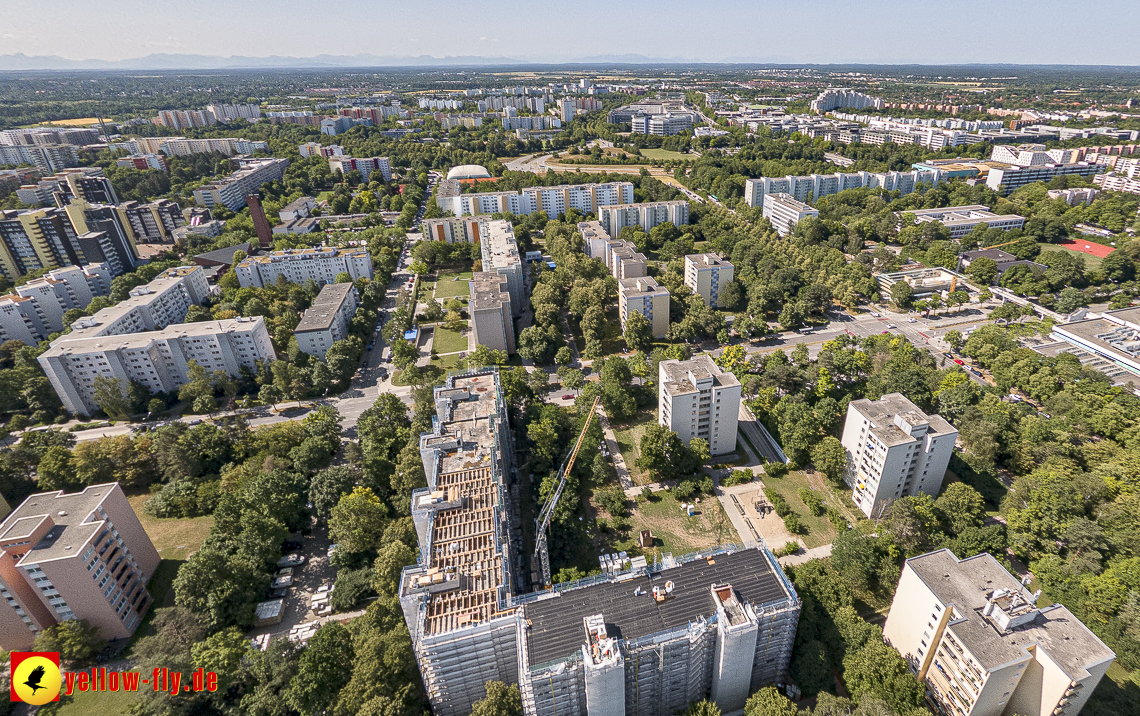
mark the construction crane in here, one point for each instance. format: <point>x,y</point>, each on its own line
<point>541,553</point>
<point>1000,245</point>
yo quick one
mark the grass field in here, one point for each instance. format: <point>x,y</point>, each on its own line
<point>105,703</point>
<point>673,531</point>
<point>1091,262</point>
<point>819,530</point>
<point>174,538</point>
<point>664,154</point>
<point>80,122</point>
<point>452,284</point>
<point>628,438</point>
<point>448,341</point>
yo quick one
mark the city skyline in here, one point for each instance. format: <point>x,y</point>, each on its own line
<point>759,33</point>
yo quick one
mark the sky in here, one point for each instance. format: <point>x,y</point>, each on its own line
<point>808,31</point>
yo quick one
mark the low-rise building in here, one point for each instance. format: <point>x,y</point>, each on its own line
<point>961,220</point>
<point>1073,197</point>
<point>321,264</point>
<point>814,187</point>
<point>143,162</point>
<point>326,321</point>
<point>1111,335</point>
<point>315,149</point>
<point>976,638</point>
<point>894,450</point>
<point>707,275</point>
<point>645,296</point>
<point>926,282</point>
<point>297,209</point>
<point>82,555</point>
<point>491,314</point>
<point>785,212</point>
<point>1003,259</point>
<point>696,399</point>
<point>1117,182</point>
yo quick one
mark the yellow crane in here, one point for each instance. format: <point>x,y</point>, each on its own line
<point>541,552</point>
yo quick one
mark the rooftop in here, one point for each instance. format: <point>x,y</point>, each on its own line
<point>700,368</point>
<point>555,624</point>
<point>323,312</point>
<point>640,286</point>
<point>489,291</point>
<point>891,413</point>
<point>70,515</point>
<point>224,256</point>
<point>498,245</point>
<point>707,260</point>
<point>969,584</point>
<point>787,201</point>
<point>996,254</point>
<point>468,171</point>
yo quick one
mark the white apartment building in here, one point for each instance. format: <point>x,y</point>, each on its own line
<point>365,166</point>
<point>1117,182</point>
<point>452,229</point>
<point>645,296</point>
<point>154,306</point>
<point>1008,180</point>
<point>785,212</point>
<point>976,638</point>
<point>226,112</point>
<point>836,97</point>
<point>566,110</point>
<point>696,399</point>
<point>816,186</point>
<point>491,312</point>
<point>624,260</point>
<point>326,321</point>
<point>232,191</point>
<point>706,275</point>
<point>961,220</point>
<point>894,450</point>
<point>554,200</point>
<point>661,125</point>
<point>320,264</point>
<point>500,254</point>
<point>48,159</point>
<point>595,239</point>
<point>645,216</point>
<point>1031,155</point>
<point>157,359</point>
<point>36,311</point>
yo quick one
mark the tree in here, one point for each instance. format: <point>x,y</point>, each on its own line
<point>404,353</point>
<point>955,340</point>
<point>768,701</point>
<point>329,486</point>
<point>902,294</point>
<point>878,671</point>
<point>221,653</point>
<point>959,508</point>
<point>111,398</point>
<point>638,332</point>
<point>571,378</point>
<point>1070,299</point>
<point>75,640</point>
<point>830,457</point>
<point>700,449</point>
<point>322,670</point>
<point>357,522</point>
<point>661,451</point>
<point>983,270</point>
<point>271,394</point>
<point>56,470</point>
<point>563,356</point>
<point>484,356</point>
<point>501,700</point>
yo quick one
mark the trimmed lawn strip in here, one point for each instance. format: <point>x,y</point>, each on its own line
<point>447,341</point>
<point>450,284</point>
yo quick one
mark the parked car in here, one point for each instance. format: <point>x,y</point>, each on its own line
<point>286,572</point>
<point>891,325</point>
<point>279,593</point>
<point>567,397</point>
<point>195,421</point>
<point>291,560</point>
<point>912,319</point>
<point>959,361</point>
<point>282,582</point>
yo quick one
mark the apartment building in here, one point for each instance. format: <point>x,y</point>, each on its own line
<point>452,229</point>
<point>457,598</point>
<point>184,118</point>
<point>624,260</point>
<point>785,212</point>
<point>231,192</point>
<point>645,296</point>
<point>961,220</point>
<point>297,209</point>
<point>86,183</point>
<point>36,239</point>
<point>566,110</point>
<point>180,146</point>
<point>706,275</point>
<point>366,167</point>
<point>82,555</point>
<point>158,358</point>
<point>143,162</point>
<point>320,264</point>
<point>554,200</point>
<point>1031,155</point>
<point>644,216</point>
<point>716,625</point>
<point>326,321</point>
<point>1005,180</point>
<point>43,136</point>
<point>228,112</point>
<point>837,97</point>
<point>491,314</point>
<point>977,639</point>
<point>151,223</point>
<point>117,245</point>
<point>661,125</point>
<point>1073,197</point>
<point>894,450</point>
<point>814,187</point>
<point>696,399</point>
<point>315,149</point>
<point>48,158</point>
<point>500,254</point>
<point>1117,182</point>
<point>36,309</point>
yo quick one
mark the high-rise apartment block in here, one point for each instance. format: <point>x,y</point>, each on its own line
<point>785,212</point>
<point>365,166</point>
<point>452,229</point>
<point>554,200</point>
<point>36,309</point>
<point>231,192</point>
<point>707,275</point>
<point>82,555</point>
<point>621,257</point>
<point>184,118</point>
<point>566,110</point>
<point>500,254</point>
<point>661,125</point>
<point>86,183</point>
<point>814,187</point>
<point>326,321</point>
<point>894,450</point>
<point>1007,180</point>
<point>315,149</point>
<point>644,216</point>
<point>143,162</point>
<point>976,638</point>
<point>491,313</point>
<point>320,264</point>
<point>228,112</point>
<point>837,97</point>
<point>645,296</point>
<point>180,146</point>
<point>48,159</point>
<point>151,223</point>
<point>696,399</point>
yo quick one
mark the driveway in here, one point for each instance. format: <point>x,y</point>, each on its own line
<point>312,574</point>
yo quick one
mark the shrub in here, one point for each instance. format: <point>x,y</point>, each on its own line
<point>775,469</point>
<point>612,499</point>
<point>685,490</point>
<point>738,477</point>
<point>707,486</point>
<point>790,547</point>
<point>836,518</point>
<point>621,524</point>
<point>812,500</point>
<point>781,505</point>
<point>792,523</point>
<point>647,493</point>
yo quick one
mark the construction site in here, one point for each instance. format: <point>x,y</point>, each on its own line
<point>639,639</point>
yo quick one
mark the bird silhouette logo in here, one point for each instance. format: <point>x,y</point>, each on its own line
<point>36,678</point>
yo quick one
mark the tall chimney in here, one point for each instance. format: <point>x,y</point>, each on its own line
<point>260,223</point>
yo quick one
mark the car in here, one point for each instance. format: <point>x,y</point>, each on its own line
<point>279,593</point>
<point>912,319</point>
<point>286,572</point>
<point>332,550</point>
<point>195,421</point>
<point>567,397</point>
<point>874,314</point>
<point>291,560</point>
<point>885,332</point>
<point>282,582</point>
<point>891,325</point>
<point>959,361</point>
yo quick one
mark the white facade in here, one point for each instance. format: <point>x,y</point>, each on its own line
<point>645,216</point>
<point>1011,179</point>
<point>696,399</point>
<point>785,212</point>
<point>645,296</point>
<point>320,264</point>
<point>500,254</point>
<point>232,191</point>
<point>894,450</point>
<point>961,220</point>
<point>326,321</point>
<point>707,275</point>
<point>554,200</point>
<point>157,359</point>
<point>365,166</point>
<point>817,186</point>
<point>490,312</point>
<point>836,97</point>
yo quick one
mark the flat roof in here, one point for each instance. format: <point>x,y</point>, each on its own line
<point>555,624</point>
<point>882,413</point>
<point>489,290</point>
<point>322,313</point>
<point>66,345</point>
<point>709,260</point>
<point>702,365</point>
<point>68,512</point>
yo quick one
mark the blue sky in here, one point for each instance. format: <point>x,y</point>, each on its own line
<point>808,31</point>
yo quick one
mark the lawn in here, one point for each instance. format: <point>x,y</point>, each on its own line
<point>628,438</point>
<point>174,538</point>
<point>91,703</point>
<point>1091,262</point>
<point>450,284</point>
<point>664,154</point>
<point>673,531</point>
<point>819,530</point>
<point>448,341</point>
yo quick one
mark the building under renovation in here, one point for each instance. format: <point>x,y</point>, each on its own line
<point>641,640</point>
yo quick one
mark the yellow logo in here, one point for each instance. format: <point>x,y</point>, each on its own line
<point>36,679</point>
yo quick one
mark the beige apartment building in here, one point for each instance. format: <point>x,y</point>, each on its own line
<point>82,555</point>
<point>491,312</point>
<point>706,275</point>
<point>645,296</point>
<point>975,636</point>
<point>696,399</point>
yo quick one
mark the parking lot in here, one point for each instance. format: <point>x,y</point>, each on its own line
<point>306,580</point>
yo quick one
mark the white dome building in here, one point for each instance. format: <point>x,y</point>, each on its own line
<point>468,171</point>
